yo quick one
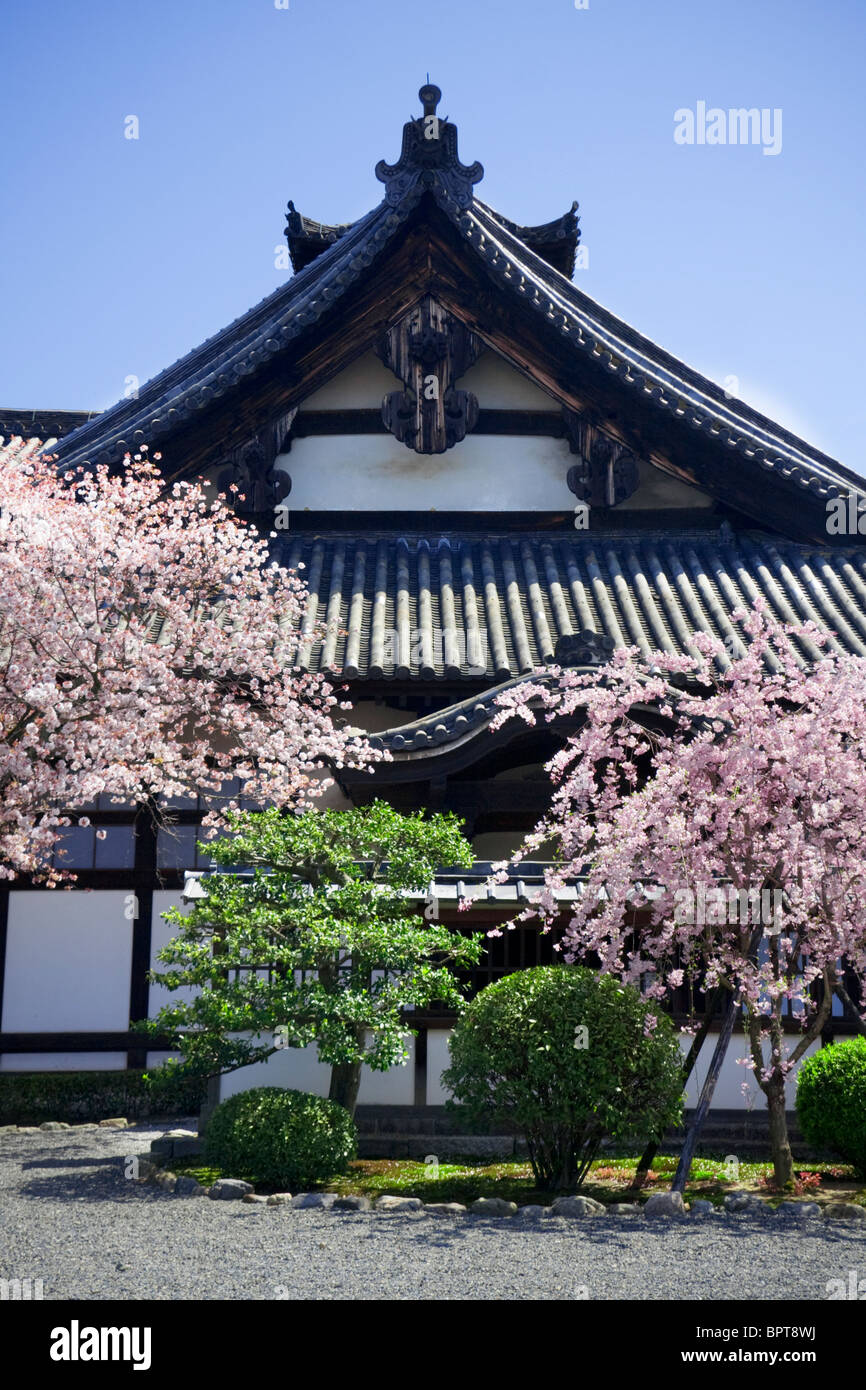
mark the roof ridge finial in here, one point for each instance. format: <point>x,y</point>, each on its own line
<point>430,96</point>
<point>429,158</point>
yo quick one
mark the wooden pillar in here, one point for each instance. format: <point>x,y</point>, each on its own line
<point>142,927</point>
<point>421,1066</point>
<point>4,936</point>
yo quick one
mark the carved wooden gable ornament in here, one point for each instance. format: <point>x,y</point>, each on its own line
<point>429,350</point>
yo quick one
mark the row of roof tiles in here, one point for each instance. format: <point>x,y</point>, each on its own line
<point>493,608</point>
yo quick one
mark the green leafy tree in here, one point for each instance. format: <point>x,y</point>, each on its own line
<point>322,940</point>
<point>569,1057</point>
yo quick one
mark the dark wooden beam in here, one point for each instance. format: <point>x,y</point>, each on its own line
<point>508,422</point>
<point>77,1042</point>
<point>4,941</point>
<point>142,927</point>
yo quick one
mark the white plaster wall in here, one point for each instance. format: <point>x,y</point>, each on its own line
<point>160,934</point>
<point>485,472</point>
<point>360,387</point>
<point>300,1069</point>
<point>63,1061</point>
<point>438,1058</point>
<point>499,386</point>
<point>68,961</point>
<point>659,490</point>
<point>727,1095</point>
<point>375,473</point>
<point>156,1059</point>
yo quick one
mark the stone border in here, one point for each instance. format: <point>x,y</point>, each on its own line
<point>664,1205</point>
<point>669,1205</point>
<point>56,1126</point>
<point>186,1143</point>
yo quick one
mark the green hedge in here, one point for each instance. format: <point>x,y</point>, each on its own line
<point>570,1057</point>
<point>831,1100</point>
<point>28,1098</point>
<point>280,1136</point>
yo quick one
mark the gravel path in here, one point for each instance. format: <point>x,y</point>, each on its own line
<point>68,1217</point>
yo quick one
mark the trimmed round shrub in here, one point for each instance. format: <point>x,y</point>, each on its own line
<point>280,1136</point>
<point>831,1100</point>
<point>569,1057</point>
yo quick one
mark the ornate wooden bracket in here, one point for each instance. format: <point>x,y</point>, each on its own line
<point>429,350</point>
<point>250,467</point>
<point>607,472</point>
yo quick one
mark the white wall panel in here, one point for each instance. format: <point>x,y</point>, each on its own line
<point>500,386</point>
<point>63,1061</point>
<point>497,385</point>
<point>361,386</point>
<point>299,1069</point>
<point>68,962</point>
<point>375,473</point>
<point>438,1058</point>
<point>393,1087</point>
<point>727,1096</point>
<point>156,1059</point>
<point>160,935</point>
<point>485,472</point>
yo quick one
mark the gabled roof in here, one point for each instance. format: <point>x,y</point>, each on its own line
<point>687,424</point>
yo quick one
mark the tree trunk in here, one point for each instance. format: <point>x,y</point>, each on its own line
<point>684,1166</point>
<point>345,1083</point>
<point>211,1101</point>
<point>783,1161</point>
<point>850,1006</point>
<point>698,1040</point>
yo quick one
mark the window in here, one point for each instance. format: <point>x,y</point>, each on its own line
<point>95,847</point>
<point>175,847</point>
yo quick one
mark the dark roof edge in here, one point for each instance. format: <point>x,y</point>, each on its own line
<point>630,354</point>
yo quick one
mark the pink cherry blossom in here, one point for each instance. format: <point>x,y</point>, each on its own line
<point>710,780</point>
<point>147,650</point>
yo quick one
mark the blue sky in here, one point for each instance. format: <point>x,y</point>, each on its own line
<point>121,255</point>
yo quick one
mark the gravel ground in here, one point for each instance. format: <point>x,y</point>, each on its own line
<point>69,1217</point>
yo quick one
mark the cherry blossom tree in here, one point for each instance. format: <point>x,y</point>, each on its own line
<point>722,800</point>
<point>147,651</point>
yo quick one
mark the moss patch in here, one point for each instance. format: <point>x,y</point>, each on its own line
<point>610,1180</point>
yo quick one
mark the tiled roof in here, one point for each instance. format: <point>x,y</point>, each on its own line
<point>451,886</point>
<point>44,425</point>
<point>432,607</point>
<point>519,270</point>
<point>221,362</point>
<point>308,239</point>
<point>555,242</point>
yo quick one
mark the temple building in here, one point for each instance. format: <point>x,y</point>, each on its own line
<point>483,472</point>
